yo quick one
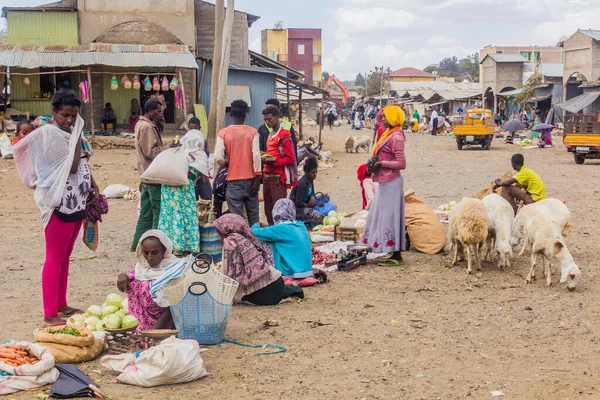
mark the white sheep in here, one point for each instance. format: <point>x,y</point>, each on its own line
<point>468,229</point>
<point>501,216</point>
<point>546,239</point>
<point>559,214</point>
<point>363,142</point>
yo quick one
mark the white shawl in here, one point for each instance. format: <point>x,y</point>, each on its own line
<point>193,146</point>
<point>44,159</point>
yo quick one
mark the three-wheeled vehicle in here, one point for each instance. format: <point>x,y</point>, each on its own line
<point>477,129</point>
<point>582,136</point>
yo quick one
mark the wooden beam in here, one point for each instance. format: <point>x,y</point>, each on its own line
<point>224,68</point>
<point>201,82</point>
<point>300,135</point>
<point>216,65</point>
<point>89,77</point>
<point>318,112</point>
<point>181,85</point>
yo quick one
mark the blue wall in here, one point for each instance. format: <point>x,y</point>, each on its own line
<point>262,88</point>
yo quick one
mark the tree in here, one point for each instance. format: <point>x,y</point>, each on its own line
<point>535,80</point>
<point>432,68</point>
<point>325,76</point>
<point>360,80</point>
<point>450,65</point>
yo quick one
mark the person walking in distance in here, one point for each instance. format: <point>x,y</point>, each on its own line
<point>434,122</point>
<point>280,172</point>
<point>148,145</point>
<point>238,149</point>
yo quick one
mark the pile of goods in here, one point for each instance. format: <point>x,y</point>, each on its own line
<point>113,314</point>
<point>16,356</point>
<point>132,342</point>
<point>69,343</point>
<point>443,212</point>
<point>332,220</point>
<point>447,207</point>
<point>526,142</point>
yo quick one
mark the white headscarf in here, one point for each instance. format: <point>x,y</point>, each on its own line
<point>193,146</point>
<point>169,268</point>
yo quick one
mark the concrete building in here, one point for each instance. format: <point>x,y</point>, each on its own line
<point>297,48</point>
<point>501,73</point>
<point>534,54</point>
<point>151,39</point>
<point>409,74</point>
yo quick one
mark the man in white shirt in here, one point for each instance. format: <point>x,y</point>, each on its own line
<point>434,121</point>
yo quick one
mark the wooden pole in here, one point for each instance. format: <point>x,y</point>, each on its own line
<point>216,65</point>
<point>185,114</point>
<point>89,77</point>
<point>224,70</point>
<point>5,98</point>
<point>318,112</point>
<point>300,135</point>
<point>201,82</point>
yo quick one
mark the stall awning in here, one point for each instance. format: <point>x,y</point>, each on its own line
<point>510,93</point>
<point>540,98</point>
<point>118,55</point>
<point>578,103</point>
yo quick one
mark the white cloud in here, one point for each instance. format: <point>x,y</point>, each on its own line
<point>255,45</point>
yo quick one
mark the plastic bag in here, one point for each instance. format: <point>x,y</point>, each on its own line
<point>147,84</point>
<point>174,83</point>
<point>172,361</point>
<point>165,84</point>
<point>155,84</point>
<point>116,191</point>
<point>6,149</point>
<point>126,82</point>
<point>168,168</point>
<point>114,84</point>
<point>26,377</point>
<point>136,82</point>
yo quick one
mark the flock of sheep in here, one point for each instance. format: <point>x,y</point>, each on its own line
<point>541,226</point>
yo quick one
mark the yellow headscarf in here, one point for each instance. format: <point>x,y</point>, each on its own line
<point>395,117</point>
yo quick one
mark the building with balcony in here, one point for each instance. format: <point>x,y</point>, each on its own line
<point>297,48</point>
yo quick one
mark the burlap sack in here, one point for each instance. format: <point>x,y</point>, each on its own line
<point>86,338</point>
<point>425,230</point>
<point>64,354</point>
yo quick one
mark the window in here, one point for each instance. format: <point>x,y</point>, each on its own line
<point>315,76</point>
<point>526,54</point>
<point>537,56</point>
<point>315,50</point>
<point>272,55</point>
<point>301,49</point>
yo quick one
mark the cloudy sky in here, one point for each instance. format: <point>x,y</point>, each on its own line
<point>359,34</point>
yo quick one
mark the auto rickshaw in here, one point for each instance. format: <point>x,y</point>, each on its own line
<point>477,129</point>
<point>582,136</point>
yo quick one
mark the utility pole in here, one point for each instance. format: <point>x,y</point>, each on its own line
<point>224,70</point>
<point>216,66</point>
<point>380,86</point>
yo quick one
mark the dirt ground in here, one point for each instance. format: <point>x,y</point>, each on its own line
<point>421,331</point>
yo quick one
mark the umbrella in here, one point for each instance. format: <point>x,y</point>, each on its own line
<point>73,383</point>
<point>513,125</point>
<point>542,127</point>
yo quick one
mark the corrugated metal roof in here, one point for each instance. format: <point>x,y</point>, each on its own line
<point>578,103</point>
<point>591,33</point>
<point>551,70</point>
<point>118,55</point>
<point>447,90</point>
<point>505,58</point>
<point>510,93</point>
<point>260,70</point>
<point>64,5</point>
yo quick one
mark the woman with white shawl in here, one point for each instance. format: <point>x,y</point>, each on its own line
<point>156,267</point>
<point>53,160</point>
<point>178,209</point>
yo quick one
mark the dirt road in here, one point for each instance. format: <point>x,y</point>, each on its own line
<point>421,331</point>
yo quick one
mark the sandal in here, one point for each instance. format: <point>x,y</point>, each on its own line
<point>55,323</point>
<point>70,312</point>
<point>390,263</point>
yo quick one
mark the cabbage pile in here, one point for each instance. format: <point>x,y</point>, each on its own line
<point>447,207</point>
<point>333,218</point>
<point>526,142</point>
<point>113,314</point>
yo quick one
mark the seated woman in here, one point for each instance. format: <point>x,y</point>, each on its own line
<point>156,267</point>
<point>289,241</point>
<point>303,195</point>
<point>250,263</point>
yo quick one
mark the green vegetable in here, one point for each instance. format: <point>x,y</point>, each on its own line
<point>91,323</point>
<point>65,331</point>
<point>77,319</point>
<point>318,228</point>
<point>114,299</point>
<point>129,321</point>
<point>121,314</point>
<point>326,221</point>
<point>109,310</point>
<point>332,214</point>
<point>111,321</point>
<point>94,311</point>
<point>125,305</point>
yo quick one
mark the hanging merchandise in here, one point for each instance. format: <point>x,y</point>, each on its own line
<point>178,97</point>
<point>84,87</point>
<point>174,83</point>
<point>165,84</point>
<point>147,84</point>
<point>26,81</point>
<point>136,82</point>
<point>114,84</point>
<point>155,84</point>
<point>126,82</point>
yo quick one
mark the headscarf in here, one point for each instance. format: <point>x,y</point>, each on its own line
<point>361,173</point>
<point>284,210</point>
<point>169,268</point>
<point>395,117</point>
<point>193,144</point>
<point>249,260</point>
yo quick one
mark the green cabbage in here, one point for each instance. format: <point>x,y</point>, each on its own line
<point>91,323</point>
<point>94,311</point>
<point>326,221</point>
<point>100,327</point>
<point>318,228</point>
<point>114,299</point>
<point>111,321</point>
<point>125,305</point>
<point>77,319</point>
<point>121,314</point>
<point>334,221</point>
<point>332,214</point>
<point>129,321</point>
<point>109,310</point>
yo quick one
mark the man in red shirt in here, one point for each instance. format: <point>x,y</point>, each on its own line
<point>279,172</point>
<point>238,147</point>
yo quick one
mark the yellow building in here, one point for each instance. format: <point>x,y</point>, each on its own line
<point>298,48</point>
<point>409,74</point>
